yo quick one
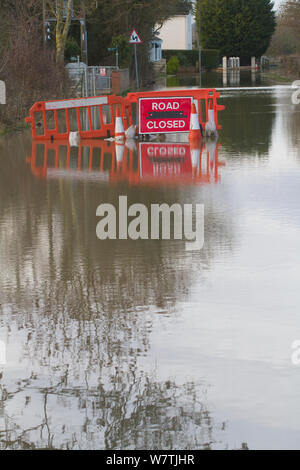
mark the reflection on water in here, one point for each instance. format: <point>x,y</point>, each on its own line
<point>140,344</point>
<point>249,131</point>
<point>242,78</point>
<point>83,311</point>
<point>134,163</point>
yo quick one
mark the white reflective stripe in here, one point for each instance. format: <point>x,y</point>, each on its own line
<point>254,88</point>
<point>76,103</point>
<point>78,174</point>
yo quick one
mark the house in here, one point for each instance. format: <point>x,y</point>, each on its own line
<point>155,49</point>
<point>177,33</point>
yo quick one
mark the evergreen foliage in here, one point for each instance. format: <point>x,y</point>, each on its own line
<point>241,28</point>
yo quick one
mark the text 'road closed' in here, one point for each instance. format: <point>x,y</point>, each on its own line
<point>164,115</point>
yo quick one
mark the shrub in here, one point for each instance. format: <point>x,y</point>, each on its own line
<point>172,65</point>
<point>72,48</point>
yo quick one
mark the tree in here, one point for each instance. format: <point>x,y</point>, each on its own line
<point>63,11</point>
<point>286,39</point>
<point>290,13</point>
<point>121,42</point>
<point>237,27</point>
<point>28,68</point>
<point>114,18</point>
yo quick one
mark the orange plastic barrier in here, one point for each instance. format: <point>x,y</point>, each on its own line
<point>92,117</point>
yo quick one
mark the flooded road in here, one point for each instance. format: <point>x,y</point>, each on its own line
<point>123,344</point>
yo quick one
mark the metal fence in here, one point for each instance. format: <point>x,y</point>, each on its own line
<point>92,80</point>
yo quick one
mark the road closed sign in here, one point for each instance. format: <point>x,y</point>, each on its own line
<point>164,115</point>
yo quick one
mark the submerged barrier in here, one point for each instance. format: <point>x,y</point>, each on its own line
<point>156,112</point>
<point>91,117</point>
<point>175,106</point>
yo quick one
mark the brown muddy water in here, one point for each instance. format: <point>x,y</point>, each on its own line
<point>124,344</point>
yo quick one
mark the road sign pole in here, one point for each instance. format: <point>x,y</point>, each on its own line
<point>135,39</point>
<point>136,68</point>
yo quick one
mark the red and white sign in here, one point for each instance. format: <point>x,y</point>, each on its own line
<point>164,115</point>
<point>135,38</point>
<point>103,72</point>
<point>169,161</point>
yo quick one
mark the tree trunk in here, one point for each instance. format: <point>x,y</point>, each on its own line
<point>60,48</point>
<point>62,28</point>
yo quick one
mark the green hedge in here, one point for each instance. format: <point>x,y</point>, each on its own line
<point>210,57</point>
<point>172,65</point>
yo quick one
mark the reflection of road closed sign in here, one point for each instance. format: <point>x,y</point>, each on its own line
<point>164,115</point>
<point>164,160</point>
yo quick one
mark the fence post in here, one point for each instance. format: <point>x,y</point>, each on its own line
<point>86,82</point>
<point>2,92</point>
<point>94,81</point>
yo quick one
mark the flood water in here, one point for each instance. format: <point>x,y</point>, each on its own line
<point>124,344</point>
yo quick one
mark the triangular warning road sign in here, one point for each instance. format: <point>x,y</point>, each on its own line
<point>135,38</point>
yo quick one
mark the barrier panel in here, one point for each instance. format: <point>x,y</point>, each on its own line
<point>149,163</point>
<point>92,117</point>
<point>169,111</point>
<point>153,112</point>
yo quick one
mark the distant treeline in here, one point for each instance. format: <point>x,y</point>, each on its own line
<point>237,28</point>
<point>286,39</point>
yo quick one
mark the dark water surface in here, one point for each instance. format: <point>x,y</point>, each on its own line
<point>140,344</point>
